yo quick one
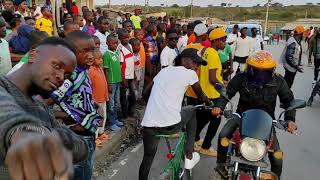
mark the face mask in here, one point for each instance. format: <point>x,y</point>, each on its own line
<point>259,77</point>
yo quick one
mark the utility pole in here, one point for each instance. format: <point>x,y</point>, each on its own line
<point>306,14</point>
<point>109,5</point>
<point>267,16</point>
<point>147,4</point>
<point>191,7</point>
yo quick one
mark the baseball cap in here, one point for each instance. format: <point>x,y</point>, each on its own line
<point>194,55</point>
<point>200,29</point>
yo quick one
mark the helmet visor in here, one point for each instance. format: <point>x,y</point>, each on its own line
<point>259,76</point>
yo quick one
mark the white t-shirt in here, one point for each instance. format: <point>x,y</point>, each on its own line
<point>231,38</point>
<point>182,43</point>
<point>5,58</point>
<point>127,60</point>
<point>164,105</point>
<point>243,47</point>
<point>168,55</point>
<point>103,41</point>
<point>256,43</point>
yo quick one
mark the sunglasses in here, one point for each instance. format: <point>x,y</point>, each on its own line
<point>174,38</point>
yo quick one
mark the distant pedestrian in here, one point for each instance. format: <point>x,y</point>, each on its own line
<point>136,19</point>
<point>315,50</point>
<point>243,48</point>
<point>45,24</point>
<point>257,44</point>
<point>232,37</point>
<point>89,27</point>
<point>5,59</point>
<point>170,52</point>
<point>102,33</point>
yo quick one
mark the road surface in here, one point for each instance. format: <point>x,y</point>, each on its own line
<point>301,160</point>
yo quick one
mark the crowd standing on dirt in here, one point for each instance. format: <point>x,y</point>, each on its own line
<point>67,91</point>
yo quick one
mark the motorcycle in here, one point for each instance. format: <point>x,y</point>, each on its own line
<point>252,141</point>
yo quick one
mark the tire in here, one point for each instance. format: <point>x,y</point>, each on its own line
<point>188,174</point>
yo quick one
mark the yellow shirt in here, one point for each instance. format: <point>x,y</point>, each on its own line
<point>190,92</point>
<point>213,60</point>
<point>45,25</point>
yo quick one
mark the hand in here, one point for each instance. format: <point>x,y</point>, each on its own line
<point>292,127</point>
<point>34,156</point>
<point>300,69</point>
<point>216,112</point>
<point>110,89</point>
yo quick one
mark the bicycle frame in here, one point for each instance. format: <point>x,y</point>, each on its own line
<point>174,156</point>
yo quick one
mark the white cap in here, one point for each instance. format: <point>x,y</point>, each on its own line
<point>200,29</point>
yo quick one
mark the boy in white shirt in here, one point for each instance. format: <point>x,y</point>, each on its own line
<point>170,52</point>
<point>164,114</point>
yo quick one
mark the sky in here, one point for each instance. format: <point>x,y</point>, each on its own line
<point>205,3</point>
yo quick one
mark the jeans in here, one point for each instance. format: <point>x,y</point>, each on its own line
<point>203,118</point>
<point>316,69</point>
<point>83,170</point>
<point>114,104</point>
<point>127,101</point>
<point>228,130</point>
<point>150,141</point>
<point>289,77</point>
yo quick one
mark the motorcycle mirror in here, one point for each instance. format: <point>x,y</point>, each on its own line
<point>297,104</point>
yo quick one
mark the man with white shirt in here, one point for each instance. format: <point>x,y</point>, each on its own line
<point>243,48</point>
<point>183,40</point>
<point>164,114</point>
<point>102,33</point>
<point>232,37</point>
<point>5,60</point>
<point>170,52</point>
<point>257,41</point>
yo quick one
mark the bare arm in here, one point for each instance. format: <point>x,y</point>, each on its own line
<point>212,77</point>
<point>197,89</point>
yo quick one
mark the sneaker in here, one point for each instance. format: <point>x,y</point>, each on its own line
<point>115,128</point>
<point>209,152</point>
<point>222,171</point>
<point>119,123</point>
<point>199,142</point>
<point>190,163</point>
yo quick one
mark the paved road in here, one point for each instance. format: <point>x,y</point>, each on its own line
<point>302,159</point>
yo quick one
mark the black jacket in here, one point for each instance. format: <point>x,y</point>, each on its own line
<point>259,97</point>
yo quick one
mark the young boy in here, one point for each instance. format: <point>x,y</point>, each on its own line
<point>139,34</point>
<point>99,92</point>
<point>127,64</point>
<point>112,69</point>
<point>102,33</point>
<point>135,43</point>
<point>78,19</point>
<point>45,23</point>
<point>96,42</point>
<point>75,98</point>
<point>88,27</point>
<point>164,113</point>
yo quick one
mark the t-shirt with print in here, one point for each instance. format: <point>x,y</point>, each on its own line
<point>136,20</point>
<point>5,58</point>
<point>111,61</point>
<point>127,60</point>
<point>168,55</point>
<point>213,60</point>
<point>45,25</point>
<point>164,105</point>
<point>224,54</point>
<point>199,47</point>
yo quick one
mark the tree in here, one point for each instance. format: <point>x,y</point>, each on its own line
<point>309,4</point>
<point>175,6</point>
<point>223,4</point>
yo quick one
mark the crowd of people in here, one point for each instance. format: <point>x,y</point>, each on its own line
<point>92,78</point>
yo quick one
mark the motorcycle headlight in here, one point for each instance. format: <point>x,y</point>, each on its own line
<point>252,149</point>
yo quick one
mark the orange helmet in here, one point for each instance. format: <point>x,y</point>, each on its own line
<point>298,30</point>
<point>262,60</point>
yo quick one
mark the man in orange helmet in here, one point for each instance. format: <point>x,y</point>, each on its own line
<point>291,55</point>
<point>258,87</point>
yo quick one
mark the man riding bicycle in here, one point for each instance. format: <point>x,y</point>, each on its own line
<point>164,114</point>
<point>258,87</point>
